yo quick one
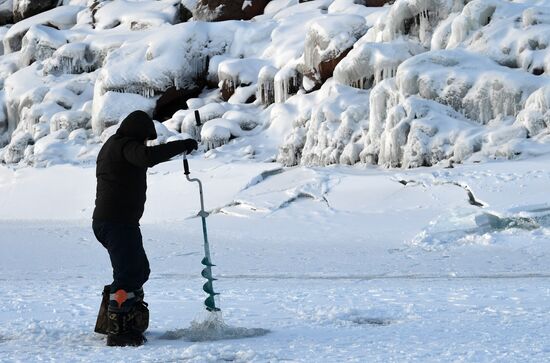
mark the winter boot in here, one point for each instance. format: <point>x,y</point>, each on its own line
<point>128,319</point>
<point>103,316</point>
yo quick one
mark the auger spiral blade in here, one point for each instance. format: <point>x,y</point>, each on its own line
<point>209,288</point>
<point>205,261</point>
<point>211,304</point>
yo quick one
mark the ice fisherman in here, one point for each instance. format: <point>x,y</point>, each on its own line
<point>121,174</point>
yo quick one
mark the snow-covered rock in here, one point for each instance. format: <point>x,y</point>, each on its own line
<point>328,40</point>
<point>234,73</point>
<point>207,112</point>
<point>536,115</point>
<point>69,120</point>
<point>232,124</point>
<point>40,42</point>
<point>15,151</point>
<point>136,15</point>
<point>470,83</point>
<point>62,17</point>
<point>6,12</point>
<point>513,34</point>
<point>266,85</point>
<point>415,19</point>
<point>323,129</point>
<point>23,9</point>
<point>369,63</point>
<point>72,58</point>
<point>112,107</point>
<point>431,80</point>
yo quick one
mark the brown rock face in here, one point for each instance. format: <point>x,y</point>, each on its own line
<point>374,3</point>
<point>26,9</point>
<point>326,68</point>
<point>220,10</point>
<point>6,12</point>
<point>172,100</point>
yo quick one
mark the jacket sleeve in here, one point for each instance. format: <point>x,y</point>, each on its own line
<point>143,156</point>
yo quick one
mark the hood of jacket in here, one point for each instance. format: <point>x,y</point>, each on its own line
<point>137,125</point>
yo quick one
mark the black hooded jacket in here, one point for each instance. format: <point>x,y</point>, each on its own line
<point>121,169</point>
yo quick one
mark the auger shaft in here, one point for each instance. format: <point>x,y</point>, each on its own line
<point>208,287</point>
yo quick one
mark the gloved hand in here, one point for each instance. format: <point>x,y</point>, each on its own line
<point>190,145</point>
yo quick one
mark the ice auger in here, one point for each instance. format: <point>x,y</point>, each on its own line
<point>208,287</point>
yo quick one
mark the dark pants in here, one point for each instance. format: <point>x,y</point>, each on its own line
<point>125,246</point>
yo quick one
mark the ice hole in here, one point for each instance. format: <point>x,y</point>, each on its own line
<point>212,328</point>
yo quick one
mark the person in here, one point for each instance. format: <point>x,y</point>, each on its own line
<point>121,173</point>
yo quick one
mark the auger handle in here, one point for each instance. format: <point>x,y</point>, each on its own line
<point>185,162</point>
<point>186,165</point>
<point>198,118</point>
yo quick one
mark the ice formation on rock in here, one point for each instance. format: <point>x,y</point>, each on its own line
<point>232,124</point>
<point>369,63</point>
<point>111,107</point>
<point>136,15</point>
<point>287,82</point>
<point>416,19</point>
<point>39,43</point>
<point>69,120</point>
<point>512,34</point>
<point>207,112</point>
<point>328,39</point>
<point>234,73</point>
<point>73,58</point>
<point>15,151</point>
<point>62,17</point>
<point>536,115</point>
<point>322,132</point>
<point>470,83</point>
<point>266,85</point>
<point>23,9</point>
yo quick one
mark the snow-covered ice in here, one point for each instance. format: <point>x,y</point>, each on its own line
<point>339,263</point>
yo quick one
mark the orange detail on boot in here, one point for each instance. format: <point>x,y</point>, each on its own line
<point>120,297</point>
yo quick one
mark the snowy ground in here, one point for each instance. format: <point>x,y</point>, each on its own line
<point>339,263</point>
